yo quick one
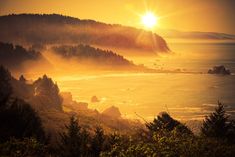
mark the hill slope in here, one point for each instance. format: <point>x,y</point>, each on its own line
<point>87,55</point>
<point>14,56</point>
<point>57,29</point>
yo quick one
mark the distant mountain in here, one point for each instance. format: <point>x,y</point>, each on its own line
<point>45,29</point>
<point>14,56</point>
<point>167,33</point>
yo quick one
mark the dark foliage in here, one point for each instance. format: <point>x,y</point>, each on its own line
<point>19,120</point>
<point>22,79</point>
<point>217,125</point>
<point>97,143</point>
<point>46,93</point>
<point>27,147</point>
<point>165,122</point>
<point>14,56</point>
<point>168,139</point>
<point>5,86</point>
<point>87,53</point>
<point>74,142</point>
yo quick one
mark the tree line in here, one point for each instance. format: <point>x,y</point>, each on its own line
<point>87,53</point>
<point>48,29</point>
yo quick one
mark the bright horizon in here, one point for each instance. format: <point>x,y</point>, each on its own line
<point>190,15</point>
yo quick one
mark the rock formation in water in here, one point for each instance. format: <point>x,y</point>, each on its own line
<point>94,99</point>
<point>219,70</point>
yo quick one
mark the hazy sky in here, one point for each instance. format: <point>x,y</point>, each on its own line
<point>188,15</point>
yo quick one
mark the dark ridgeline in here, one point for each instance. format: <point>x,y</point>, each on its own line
<point>17,58</point>
<point>13,56</point>
<point>99,57</point>
<point>33,29</point>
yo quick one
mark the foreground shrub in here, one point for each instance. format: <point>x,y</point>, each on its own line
<point>26,147</point>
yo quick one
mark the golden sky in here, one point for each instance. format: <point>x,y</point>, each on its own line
<point>186,15</point>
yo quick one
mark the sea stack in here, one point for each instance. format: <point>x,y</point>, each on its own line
<point>219,70</point>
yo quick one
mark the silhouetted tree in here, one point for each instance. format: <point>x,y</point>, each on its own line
<point>165,122</point>
<point>231,132</point>
<point>5,86</point>
<point>47,92</point>
<point>74,142</point>
<point>22,79</point>
<point>216,124</point>
<point>85,143</point>
<point>14,56</point>
<point>97,142</point>
<point>19,120</point>
<point>87,53</point>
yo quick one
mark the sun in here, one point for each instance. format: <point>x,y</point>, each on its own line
<point>149,20</point>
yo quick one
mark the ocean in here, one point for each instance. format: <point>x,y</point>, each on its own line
<point>185,96</point>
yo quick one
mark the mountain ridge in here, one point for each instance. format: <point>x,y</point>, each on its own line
<point>56,29</point>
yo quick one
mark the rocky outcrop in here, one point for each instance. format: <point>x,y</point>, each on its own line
<point>94,99</point>
<point>219,70</point>
<point>112,112</point>
<point>68,102</point>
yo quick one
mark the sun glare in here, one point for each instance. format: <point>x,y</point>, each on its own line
<point>149,20</point>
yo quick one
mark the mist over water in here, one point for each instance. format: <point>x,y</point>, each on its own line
<point>201,56</point>
<point>194,57</point>
<point>185,96</point>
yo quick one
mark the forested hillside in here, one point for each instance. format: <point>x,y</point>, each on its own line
<point>35,29</point>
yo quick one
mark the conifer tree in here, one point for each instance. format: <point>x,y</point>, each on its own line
<point>19,120</point>
<point>164,122</point>
<point>216,124</point>
<point>5,86</point>
<point>74,142</point>
<point>97,142</point>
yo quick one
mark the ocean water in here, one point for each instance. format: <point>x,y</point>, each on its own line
<point>184,96</point>
<point>193,57</point>
<point>201,56</point>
